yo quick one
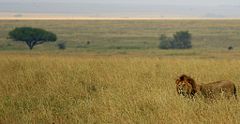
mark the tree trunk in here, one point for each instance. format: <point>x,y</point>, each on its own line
<point>31,47</point>
<point>31,44</point>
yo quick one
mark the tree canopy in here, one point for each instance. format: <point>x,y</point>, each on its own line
<point>32,36</point>
<point>180,40</point>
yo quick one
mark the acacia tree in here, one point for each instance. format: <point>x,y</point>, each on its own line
<point>32,36</point>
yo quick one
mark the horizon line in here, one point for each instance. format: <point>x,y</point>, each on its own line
<point>114,18</point>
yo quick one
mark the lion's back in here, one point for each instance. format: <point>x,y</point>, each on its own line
<point>218,87</point>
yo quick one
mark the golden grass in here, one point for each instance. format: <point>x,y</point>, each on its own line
<point>115,89</point>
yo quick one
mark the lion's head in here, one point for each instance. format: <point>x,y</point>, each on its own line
<point>185,86</point>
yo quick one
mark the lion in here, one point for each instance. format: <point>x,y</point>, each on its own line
<point>187,87</point>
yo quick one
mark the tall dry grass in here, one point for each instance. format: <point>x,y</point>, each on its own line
<point>80,89</point>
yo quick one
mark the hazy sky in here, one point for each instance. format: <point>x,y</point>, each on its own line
<point>125,8</point>
<point>172,2</point>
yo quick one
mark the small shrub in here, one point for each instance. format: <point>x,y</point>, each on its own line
<point>88,42</point>
<point>62,46</point>
<point>165,42</point>
<point>230,48</point>
<point>180,40</point>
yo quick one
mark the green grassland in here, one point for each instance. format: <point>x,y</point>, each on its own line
<point>121,77</point>
<point>126,35</point>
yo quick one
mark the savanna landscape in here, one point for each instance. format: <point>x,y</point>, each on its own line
<point>112,71</point>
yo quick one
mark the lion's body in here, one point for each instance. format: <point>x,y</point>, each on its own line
<point>187,87</point>
<point>218,89</point>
